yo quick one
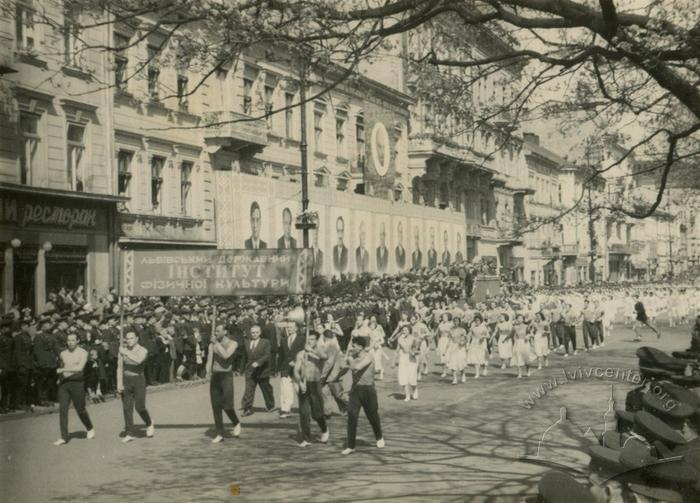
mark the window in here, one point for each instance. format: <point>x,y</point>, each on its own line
<point>289,115</point>
<point>157,164</point>
<point>71,39</point>
<point>340,136</point>
<point>247,98</point>
<point>25,29</point>
<point>268,106</point>
<point>318,130</point>
<point>185,185</point>
<point>153,72</point>
<point>398,194</point>
<point>75,161</point>
<point>182,93</point>
<point>360,139</point>
<point>124,159</point>
<point>121,62</point>
<point>29,146</point>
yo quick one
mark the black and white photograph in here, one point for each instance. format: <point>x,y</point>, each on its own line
<point>350,251</point>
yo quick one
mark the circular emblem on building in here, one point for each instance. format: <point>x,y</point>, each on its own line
<point>380,149</point>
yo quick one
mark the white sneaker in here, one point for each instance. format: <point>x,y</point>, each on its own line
<point>325,436</point>
<point>486,371</point>
<point>127,438</point>
<point>91,434</point>
<point>443,375</point>
<point>476,376</point>
<point>380,443</point>
<point>415,394</point>
<point>347,451</point>
<point>464,378</point>
<point>237,430</point>
<point>150,430</point>
<point>528,372</point>
<point>407,399</point>
<point>539,367</point>
<point>304,443</point>
<point>217,439</point>
<point>454,381</point>
<point>503,366</point>
<point>60,441</point>
<point>419,378</point>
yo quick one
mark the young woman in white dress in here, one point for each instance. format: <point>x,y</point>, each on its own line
<point>504,336</point>
<point>477,353</point>
<point>457,352</point>
<point>408,363</point>
<point>442,333</point>
<point>522,351</point>
<point>377,346</point>
<point>539,330</point>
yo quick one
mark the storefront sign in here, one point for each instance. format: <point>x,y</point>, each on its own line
<point>27,213</point>
<point>216,272</point>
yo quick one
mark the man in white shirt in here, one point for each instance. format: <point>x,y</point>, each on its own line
<point>72,387</point>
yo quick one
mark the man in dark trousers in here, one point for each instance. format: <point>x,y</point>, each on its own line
<point>45,357</point>
<point>257,372</point>
<point>220,375</point>
<point>24,363</point>
<point>7,367</point>
<point>362,393</point>
<point>641,320</point>
<point>269,333</point>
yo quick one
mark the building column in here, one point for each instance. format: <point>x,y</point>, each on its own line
<point>40,281</point>
<point>8,279</point>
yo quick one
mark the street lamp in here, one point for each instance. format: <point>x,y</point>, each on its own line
<point>15,243</point>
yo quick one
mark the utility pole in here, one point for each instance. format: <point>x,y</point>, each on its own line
<point>303,147</point>
<point>670,238</point>
<point>591,235</point>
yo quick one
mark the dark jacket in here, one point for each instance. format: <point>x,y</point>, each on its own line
<point>45,351</point>
<point>7,343</point>
<point>261,356</point>
<point>23,355</point>
<point>289,354</point>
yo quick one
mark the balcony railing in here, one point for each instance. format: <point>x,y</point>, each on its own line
<point>621,248</point>
<point>237,129</point>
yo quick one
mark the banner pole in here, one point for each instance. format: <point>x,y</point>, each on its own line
<point>120,362</point>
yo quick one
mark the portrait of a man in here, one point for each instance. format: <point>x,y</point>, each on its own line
<point>382,250</point>
<point>417,255</point>
<point>400,251</point>
<point>361,253</point>
<point>254,242</point>
<point>445,250</point>
<point>340,251</point>
<point>286,241</point>
<point>459,257</point>
<point>432,252</point>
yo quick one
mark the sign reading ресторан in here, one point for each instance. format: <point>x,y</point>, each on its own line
<point>27,212</point>
<point>216,272</point>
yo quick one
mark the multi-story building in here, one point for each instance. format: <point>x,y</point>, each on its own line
<point>162,158</point>
<point>58,188</point>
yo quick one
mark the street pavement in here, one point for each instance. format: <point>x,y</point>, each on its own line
<point>469,442</point>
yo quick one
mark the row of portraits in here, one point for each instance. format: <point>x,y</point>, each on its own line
<point>354,241</point>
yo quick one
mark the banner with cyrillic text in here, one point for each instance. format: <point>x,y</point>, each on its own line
<point>216,272</point>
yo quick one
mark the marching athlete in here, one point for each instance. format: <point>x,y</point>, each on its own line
<point>133,385</point>
<point>220,375</point>
<point>72,387</point>
<point>362,393</point>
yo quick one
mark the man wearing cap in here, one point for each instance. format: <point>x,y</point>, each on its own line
<point>257,372</point>
<point>45,355</point>
<point>220,376</point>
<point>72,387</point>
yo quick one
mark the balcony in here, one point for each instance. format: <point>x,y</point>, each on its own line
<point>234,131</point>
<point>569,250</point>
<point>621,249</point>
